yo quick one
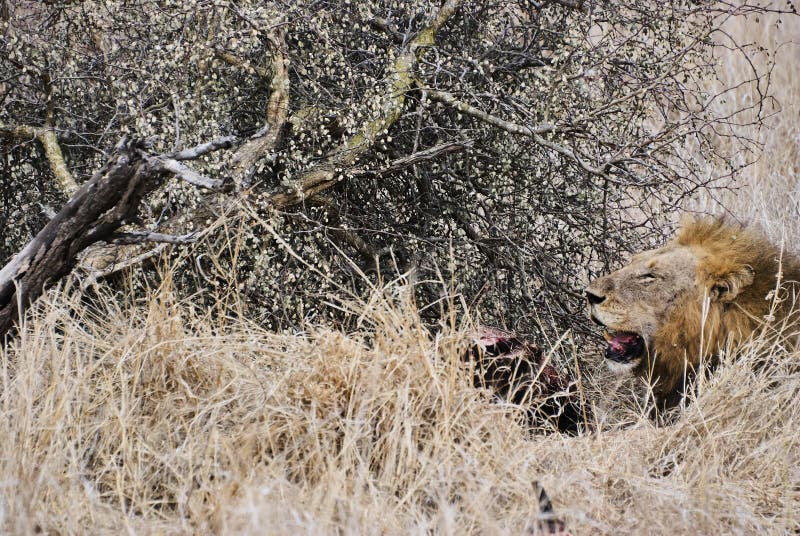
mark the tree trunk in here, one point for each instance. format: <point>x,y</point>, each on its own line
<point>103,204</point>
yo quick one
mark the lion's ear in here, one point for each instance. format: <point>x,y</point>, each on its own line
<point>725,288</point>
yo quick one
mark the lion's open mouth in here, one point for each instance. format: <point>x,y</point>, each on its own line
<point>623,347</point>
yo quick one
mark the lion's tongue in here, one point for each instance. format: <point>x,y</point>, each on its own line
<point>620,343</point>
<point>624,347</point>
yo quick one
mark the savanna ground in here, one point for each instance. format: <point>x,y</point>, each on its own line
<point>149,416</point>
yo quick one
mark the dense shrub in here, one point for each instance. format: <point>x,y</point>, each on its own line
<point>514,146</point>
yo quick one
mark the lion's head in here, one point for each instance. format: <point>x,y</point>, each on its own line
<point>674,307</point>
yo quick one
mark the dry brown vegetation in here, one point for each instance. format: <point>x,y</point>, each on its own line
<point>152,416</point>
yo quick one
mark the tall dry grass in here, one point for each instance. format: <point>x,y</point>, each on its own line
<point>153,417</point>
<point>149,416</point>
<point>767,194</point>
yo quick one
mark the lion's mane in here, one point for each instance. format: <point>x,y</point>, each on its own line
<point>738,274</point>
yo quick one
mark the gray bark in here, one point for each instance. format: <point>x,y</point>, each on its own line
<point>95,212</point>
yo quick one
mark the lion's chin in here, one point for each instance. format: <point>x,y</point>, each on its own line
<point>622,369</point>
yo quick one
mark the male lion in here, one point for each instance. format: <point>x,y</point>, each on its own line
<point>673,308</point>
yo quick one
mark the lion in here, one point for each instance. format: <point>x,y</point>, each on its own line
<point>674,308</point>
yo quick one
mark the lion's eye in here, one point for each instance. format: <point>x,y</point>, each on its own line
<point>647,277</point>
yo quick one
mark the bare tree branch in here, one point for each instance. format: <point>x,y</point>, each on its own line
<point>535,132</point>
<point>188,174</point>
<point>98,209</point>
<point>205,148</point>
<point>236,61</point>
<point>243,164</point>
<point>416,158</point>
<point>52,150</point>
<point>400,80</point>
<point>572,4</point>
<point>508,126</point>
<point>140,237</point>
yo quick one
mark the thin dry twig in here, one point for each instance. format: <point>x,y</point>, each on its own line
<point>140,237</point>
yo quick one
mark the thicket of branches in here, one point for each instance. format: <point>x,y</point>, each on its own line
<point>514,146</point>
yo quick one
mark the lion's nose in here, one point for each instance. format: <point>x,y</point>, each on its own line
<point>593,298</point>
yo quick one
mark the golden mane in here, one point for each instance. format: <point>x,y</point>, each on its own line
<point>738,272</point>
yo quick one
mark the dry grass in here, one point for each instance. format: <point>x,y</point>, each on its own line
<point>153,417</point>
<point>768,195</point>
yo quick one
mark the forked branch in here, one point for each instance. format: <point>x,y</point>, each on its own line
<point>102,205</point>
<point>400,80</point>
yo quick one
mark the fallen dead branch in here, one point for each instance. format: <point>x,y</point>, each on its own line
<point>108,201</point>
